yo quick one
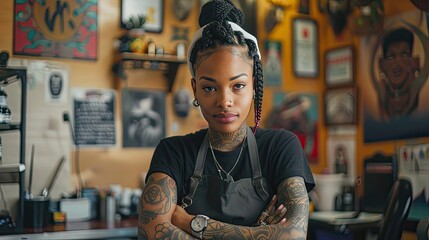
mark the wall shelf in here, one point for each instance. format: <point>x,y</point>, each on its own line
<point>9,127</point>
<point>15,172</point>
<point>166,63</point>
<point>9,173</point>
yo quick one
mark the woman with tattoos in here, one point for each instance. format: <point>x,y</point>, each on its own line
<point>229,181</point>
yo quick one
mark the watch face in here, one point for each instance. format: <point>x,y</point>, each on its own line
<point>198,223</point>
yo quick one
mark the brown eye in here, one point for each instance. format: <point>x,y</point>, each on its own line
<point>209,88</point>
<point>405,55</point>
<point>239,86</point>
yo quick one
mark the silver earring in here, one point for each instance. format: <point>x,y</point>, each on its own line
<point>195,103</point>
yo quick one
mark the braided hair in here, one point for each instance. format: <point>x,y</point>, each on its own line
<point>215,16</point>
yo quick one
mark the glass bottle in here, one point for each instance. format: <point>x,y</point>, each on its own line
<point>4,108</point>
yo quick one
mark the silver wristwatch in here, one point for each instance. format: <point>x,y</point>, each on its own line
<point>198,224</point>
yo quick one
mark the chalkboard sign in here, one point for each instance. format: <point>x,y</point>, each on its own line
<point>94,117</point>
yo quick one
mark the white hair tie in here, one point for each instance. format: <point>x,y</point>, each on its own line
<point>199,34</point>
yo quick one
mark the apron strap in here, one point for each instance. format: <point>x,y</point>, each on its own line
<point>198,172</point>
<point>257,178</point>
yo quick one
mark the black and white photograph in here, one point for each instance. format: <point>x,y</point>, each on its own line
<point>143,117</point>
<point>341,106</point>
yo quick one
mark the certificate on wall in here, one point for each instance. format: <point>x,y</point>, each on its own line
<point>305,46</point>
<point>94,117</point>
<point>339,66</point>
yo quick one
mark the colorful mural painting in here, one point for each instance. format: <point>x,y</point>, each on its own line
<point>56,28</point>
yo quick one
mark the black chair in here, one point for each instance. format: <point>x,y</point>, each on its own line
<point>380,172</point>
<point>401,198</point>
<point>423,229</point>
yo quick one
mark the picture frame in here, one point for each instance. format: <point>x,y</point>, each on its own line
<point>304,7</point>
<point>76,38</point>
<point>339,66</point>
<point>155,21</point>
<point>273,71</point>
<point>341,106</point>
<point>305,47</point>
<point>341,153</point>
<point>143,117</point>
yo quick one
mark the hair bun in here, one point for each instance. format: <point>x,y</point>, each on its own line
<point>219,11</point>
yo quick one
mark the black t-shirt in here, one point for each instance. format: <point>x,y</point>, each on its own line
<point>280,155</point>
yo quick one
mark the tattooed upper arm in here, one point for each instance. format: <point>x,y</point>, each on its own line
<point>157,204</point>
<point>292,193</point>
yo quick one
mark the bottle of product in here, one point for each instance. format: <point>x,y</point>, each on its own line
<point>4,108</point>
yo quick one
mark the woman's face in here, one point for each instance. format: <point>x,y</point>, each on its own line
<point>397,63</point>
<point>223,86</point>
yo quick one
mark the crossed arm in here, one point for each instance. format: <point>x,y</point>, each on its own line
<point>159,203</point>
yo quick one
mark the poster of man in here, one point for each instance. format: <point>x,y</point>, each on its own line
<point>396,103</point>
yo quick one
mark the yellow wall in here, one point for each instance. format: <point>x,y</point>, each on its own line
<point>123,166</point>
<point>103,167</point>
<point>290,83</point>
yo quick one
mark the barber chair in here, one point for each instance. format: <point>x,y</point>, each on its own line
<point>401,198</point>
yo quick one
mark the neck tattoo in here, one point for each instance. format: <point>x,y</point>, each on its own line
<point>228,177</point>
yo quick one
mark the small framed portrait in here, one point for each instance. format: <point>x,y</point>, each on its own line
<point>341,153</point>
<point>341,106</point>
<point>152,10</point>
<point>339,67</point>
<point>305,47</point>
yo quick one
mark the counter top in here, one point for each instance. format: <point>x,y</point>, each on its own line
<point>80,230</point>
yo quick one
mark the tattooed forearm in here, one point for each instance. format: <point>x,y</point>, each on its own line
<point>293,195</point>
<point>224,231</point>
<point>157,198</point>
<point>168,231</point>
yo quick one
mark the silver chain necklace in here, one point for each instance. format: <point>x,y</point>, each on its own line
<point>219,168</point>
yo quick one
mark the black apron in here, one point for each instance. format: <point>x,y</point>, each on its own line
<point>240,202</point>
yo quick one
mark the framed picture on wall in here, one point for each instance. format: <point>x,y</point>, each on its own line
<point>153,10</point>
<point>273,63</point>
<point>341,153</point>
<point>305,45</point>
<point>143,117</point>
<point>341,106</point>
<point>339,66</point>
<point>61,30</point>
